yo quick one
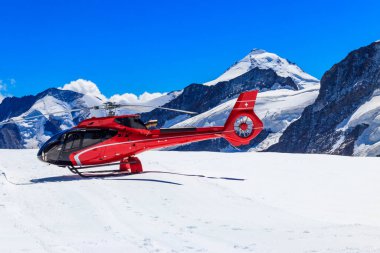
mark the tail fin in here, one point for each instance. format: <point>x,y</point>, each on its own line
<point>243,125</point>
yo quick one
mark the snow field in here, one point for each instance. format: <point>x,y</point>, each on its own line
<point>194,202</point>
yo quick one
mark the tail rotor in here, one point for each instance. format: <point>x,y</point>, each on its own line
<point>243,125</point>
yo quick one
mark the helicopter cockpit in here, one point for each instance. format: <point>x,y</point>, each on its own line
<point>58,149</point>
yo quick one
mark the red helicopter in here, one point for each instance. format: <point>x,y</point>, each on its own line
<point>116,140</point>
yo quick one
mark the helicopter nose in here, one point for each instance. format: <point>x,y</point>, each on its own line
<point>42,156</point>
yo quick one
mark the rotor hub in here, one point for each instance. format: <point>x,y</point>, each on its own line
<point>243,126</point>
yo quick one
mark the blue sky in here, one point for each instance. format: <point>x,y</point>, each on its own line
<point>137,46</point>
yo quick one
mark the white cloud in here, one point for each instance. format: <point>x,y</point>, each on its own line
<point>1,98</point>
<point>89,88</point>
<point>129,98</point>
<point>84,87</point>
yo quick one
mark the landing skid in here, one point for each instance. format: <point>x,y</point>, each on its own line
<point>128,166</point>
<point>99,173</point>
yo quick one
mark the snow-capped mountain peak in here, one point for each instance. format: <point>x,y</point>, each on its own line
<point>262,59</point>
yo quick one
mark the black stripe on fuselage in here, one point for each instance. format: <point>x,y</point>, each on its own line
<point>176,130</point>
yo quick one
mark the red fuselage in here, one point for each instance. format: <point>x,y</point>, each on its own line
<point>97,141</point>
<point>131,141</point>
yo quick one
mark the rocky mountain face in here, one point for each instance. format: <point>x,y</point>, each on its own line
<point>10,137</point>
<point>345,118</point>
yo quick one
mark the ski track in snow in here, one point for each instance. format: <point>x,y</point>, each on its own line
<point>204,202</point>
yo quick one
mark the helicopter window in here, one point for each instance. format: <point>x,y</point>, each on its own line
<point>73,141</point>
<point>110,133</point>
<point>131,122</point>
<point>93,137</point>
<point>78,140</point>
<point>54,139</point>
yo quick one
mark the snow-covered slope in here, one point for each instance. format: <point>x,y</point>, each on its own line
<point>33,131</point>
<point>276,108</point>
<point>368,142</point>
<point>194,202</point>
<point>262,59</point>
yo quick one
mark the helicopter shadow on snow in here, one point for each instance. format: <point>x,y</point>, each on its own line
<point>68,178</point>
<point>177,174</point>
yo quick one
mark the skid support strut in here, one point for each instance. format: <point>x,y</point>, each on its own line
<point>131,164</point>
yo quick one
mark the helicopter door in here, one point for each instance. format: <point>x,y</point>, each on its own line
<point>72,142</point>
<point>90,138</point>
<point>79,140</point>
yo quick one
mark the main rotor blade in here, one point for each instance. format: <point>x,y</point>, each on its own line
<point>101,107</point>
<point>158,107</point>
<point>9,121</point>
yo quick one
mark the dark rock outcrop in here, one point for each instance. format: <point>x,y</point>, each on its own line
<point>345,87</point>
<point>10,137</point>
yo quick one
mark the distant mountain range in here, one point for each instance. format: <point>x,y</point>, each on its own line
<point>342,114</point>
<point>285,90</point>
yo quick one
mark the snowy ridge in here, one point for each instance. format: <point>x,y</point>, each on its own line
<point>368,143</point>
<point>276,108</point>
<point>262,59</point>
<point>238,203</point>
<point>155,101</point>
<point>164,99</point>
<point>33,131</point>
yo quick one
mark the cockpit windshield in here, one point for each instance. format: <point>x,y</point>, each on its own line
<point>54,139</point>
<point>58,149</point>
